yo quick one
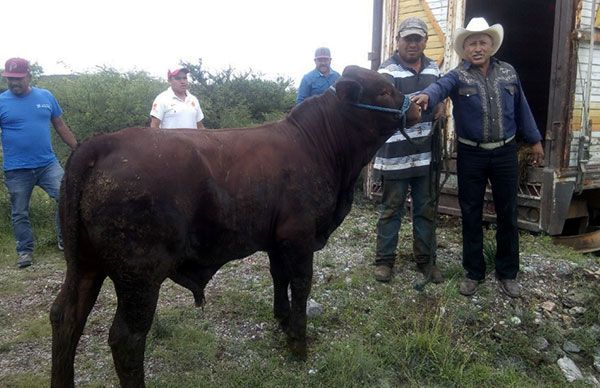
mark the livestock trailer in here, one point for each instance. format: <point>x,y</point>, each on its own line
<point>555,47</point>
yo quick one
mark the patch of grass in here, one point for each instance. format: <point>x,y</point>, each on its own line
<point>181,340</point>
<point>370,334</point>
<point>489,251</point>
<point>542,245</point>
<point>25,380</point>
<point>34,329</point>
<point>12,285</point>
<point>350,362</point>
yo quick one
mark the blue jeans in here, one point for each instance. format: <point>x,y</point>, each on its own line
<point>20,184</point>
<point>390,218</point>
<point>475,166</point>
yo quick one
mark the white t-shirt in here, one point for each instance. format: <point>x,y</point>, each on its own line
<point>174,112</point>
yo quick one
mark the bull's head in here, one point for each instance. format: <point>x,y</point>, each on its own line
<point>367,89</point>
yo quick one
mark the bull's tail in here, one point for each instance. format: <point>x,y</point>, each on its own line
<point>83,278</point>
<point>78,167</point>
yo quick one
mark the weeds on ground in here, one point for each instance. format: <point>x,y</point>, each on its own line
<point>369,334</point>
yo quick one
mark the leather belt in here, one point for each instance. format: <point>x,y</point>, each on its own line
<point>486,146</point>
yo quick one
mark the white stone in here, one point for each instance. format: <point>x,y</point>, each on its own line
<point>569,369</point>
<point>313,309</point>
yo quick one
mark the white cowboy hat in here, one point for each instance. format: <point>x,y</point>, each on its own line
<point>478,26</point>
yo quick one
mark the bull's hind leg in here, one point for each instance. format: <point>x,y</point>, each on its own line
<point>280,272</point>
<point>68,315</point>
<point>135,311</point>
<point>300,284</point>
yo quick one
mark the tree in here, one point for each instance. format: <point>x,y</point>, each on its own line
<point>102,102</point>
<point>232,99</point>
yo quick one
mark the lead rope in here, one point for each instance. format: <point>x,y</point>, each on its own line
<point>400,114</point>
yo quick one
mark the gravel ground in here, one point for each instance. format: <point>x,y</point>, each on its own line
<point>548,292</point>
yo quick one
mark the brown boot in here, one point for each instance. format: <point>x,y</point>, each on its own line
<point>468,287</point>
<point>430,272</point>
<point>383,273</point>
<point>510,287</point>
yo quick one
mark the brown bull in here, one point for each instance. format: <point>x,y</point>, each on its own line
<point>143,205</point>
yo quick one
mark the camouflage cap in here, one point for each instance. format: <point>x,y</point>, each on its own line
<point>412,26</point>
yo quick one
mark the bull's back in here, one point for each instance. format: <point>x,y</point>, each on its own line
<point>218,196</point>
<point>151,194</point>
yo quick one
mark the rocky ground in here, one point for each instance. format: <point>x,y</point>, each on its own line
<point>559,306</point>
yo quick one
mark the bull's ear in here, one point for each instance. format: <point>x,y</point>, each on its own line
<point>348,90</point>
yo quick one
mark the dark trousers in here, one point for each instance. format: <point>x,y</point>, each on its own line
<point>475,166</point>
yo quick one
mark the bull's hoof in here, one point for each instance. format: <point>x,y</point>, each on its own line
<point>284,323</point>
<point>297,348</point>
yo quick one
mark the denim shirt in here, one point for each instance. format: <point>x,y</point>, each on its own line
<point>486,109</point>
<point>315,83</point>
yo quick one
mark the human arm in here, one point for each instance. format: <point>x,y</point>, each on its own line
<point>437,91</point>
<point>154,122</point>
<point>64,132</point>
<point>536,154</point>
<point>527,126</point>
<point>303,90</point>
<point>157,112</point>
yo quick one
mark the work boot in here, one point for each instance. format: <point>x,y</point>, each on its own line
<point>383,273</point>
<point>430,272</point>
<point>510,287</point>
<point>25,259</point>
<point>468,287</point>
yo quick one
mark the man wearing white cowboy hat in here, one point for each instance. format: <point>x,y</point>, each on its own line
<point>490,108</point>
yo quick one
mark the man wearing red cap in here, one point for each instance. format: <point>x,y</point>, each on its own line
<point>176,107</point>
<point>320,79</point>
<point>29,159</point>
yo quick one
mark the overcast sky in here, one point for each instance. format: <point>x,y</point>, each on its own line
<point>269,36</point>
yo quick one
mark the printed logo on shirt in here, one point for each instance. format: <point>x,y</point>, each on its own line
<point>43,106</point>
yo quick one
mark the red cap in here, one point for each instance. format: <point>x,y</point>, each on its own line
<point>173,71</point>
<point>16,67</point>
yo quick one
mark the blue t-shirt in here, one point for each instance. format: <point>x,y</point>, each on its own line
<point>25,124</point>
<point>315,83</point>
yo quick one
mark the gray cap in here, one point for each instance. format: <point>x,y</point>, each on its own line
<point>412,26</point>
<point>322,52</point>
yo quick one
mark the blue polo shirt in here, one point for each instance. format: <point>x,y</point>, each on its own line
<point>315,83</point>
<point>25,124</point>
<point>486,108</point>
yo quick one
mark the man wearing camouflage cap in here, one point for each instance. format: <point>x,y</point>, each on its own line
<point>402,163</point>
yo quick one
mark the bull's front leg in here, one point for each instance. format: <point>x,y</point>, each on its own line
<point>301,264</point>
<point>280,272</point>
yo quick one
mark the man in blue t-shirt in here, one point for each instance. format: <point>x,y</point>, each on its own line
<point>29,160</point>
<point>318,80</point>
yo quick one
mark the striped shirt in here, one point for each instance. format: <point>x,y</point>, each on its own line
<point>398,158</point>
